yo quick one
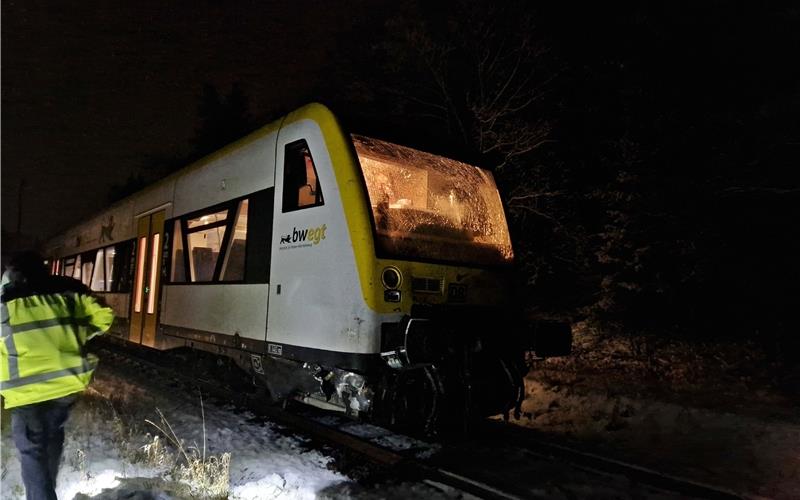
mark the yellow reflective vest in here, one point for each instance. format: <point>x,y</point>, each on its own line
<point>44,330</point>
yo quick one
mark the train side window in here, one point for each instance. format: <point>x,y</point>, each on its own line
<point>206,219</point>
<point>87,268</point>
<point>233,266</point>
<point>76,272</point>
<point>204,236</point>
<point>109,254</point>
<point>178,272</point>
<point>99,276</point>
<point>69,266</point>
<point>228,243</point>
<point>301,188</point>
<point>260,206</point>
<point>121,267</point>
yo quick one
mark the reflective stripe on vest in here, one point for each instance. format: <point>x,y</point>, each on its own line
<point>47,323</point>
<point>85,367</point>
<point>9,331</point>
<point>8,338</point>
<point>42,346</point>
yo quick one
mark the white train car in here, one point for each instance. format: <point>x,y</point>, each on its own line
<point>333,266</point>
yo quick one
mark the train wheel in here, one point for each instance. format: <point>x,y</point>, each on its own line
<point>411,399</point>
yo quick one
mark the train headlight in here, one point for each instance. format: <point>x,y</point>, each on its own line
<point>391,278</point>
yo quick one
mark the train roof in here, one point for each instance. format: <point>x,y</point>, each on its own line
<point>314,111</point>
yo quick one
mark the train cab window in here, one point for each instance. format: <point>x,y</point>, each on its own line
<point>233,267</point>
<point>301,187</point>
<point>205,235</point>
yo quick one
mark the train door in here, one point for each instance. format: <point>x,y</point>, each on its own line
<point>146,284</point>
<point>314,293</point>
<point>300,228</point>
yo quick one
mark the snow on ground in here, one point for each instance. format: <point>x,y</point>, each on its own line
<point>104,456</point>
<point>109,422</point>
<point>702,427</point>
<point>723,431</point>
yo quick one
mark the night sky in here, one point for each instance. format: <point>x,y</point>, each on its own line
<point>94,90</point>
<point>662,196</point>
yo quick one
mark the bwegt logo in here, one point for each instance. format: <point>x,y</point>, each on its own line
<point>312,234</point>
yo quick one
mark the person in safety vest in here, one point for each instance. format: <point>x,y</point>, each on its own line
<point>46,322</point>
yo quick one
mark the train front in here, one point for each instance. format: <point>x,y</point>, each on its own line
<point>443,258</point>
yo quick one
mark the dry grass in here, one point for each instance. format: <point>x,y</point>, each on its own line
<point>189,470</point>
<point>205,476</point>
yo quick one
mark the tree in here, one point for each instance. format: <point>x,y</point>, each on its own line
<point>644,152</point>
<point>474,80</point>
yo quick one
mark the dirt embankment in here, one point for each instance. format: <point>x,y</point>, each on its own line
<point>709,412</point>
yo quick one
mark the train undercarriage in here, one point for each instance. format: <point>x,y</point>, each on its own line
<point>449,365</point>
<point>439,368</point>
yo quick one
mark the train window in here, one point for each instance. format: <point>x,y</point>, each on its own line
<point>155,241</point>
<point>141,254</point>
<point>69,265</point>
<point>121,266</point>
<point>301,188</point>
<point>222,245</point>
<point>178,274</point>
<point>99,276</point>
<point>259,236</point>
<point>207,219</point>
<point>87,268</point>
<point>204,239</point>
<point>432,208</point>
<point>233,267</point>
<point>97,270</point>
<point>76,272</point>
<point>109,253</point>
<point>204,248</point>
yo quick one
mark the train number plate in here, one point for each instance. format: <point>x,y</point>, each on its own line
<point>275,349</point>
<point>456,292</point>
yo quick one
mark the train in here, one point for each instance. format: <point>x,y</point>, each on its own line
<point>346,271</point>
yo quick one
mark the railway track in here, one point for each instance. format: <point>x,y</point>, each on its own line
<point>496,461</point>
<point>541,446</point>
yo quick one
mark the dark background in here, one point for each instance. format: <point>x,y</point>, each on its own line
<point>647,154</point>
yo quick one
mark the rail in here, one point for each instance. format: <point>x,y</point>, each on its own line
<point>419,460</point>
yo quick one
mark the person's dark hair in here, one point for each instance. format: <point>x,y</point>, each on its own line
<point>27,266</point>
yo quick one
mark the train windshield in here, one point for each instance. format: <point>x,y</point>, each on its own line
<point>432,208</point>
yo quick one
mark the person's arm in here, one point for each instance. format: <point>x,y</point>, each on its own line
<point>100,316</point>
